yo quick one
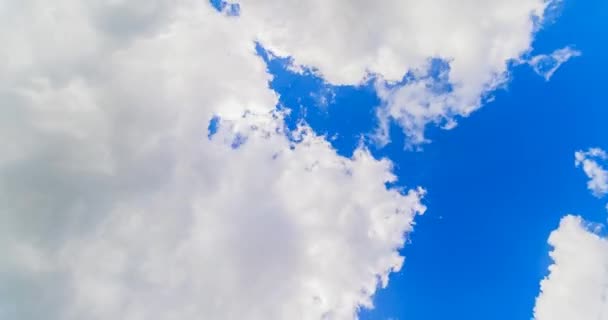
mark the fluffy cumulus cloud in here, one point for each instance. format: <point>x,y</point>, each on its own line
<point>115,203</point>
<point>347,41</point>
<point>577,285</point>
<point>592,162</point>
<point>545,65</point>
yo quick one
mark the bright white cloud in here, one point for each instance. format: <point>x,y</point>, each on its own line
<point>592,161</point>
<point>114,204</point>
<point>546,65</point>
<point>577,285</point>
<point>347,40</point>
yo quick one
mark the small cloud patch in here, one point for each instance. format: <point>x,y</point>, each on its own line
<point>545,65</point>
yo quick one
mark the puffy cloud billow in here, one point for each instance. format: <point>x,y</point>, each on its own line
<point>117,203</point>
<point>577,284</point>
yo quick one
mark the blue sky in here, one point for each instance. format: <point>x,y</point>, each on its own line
<point>499,183</point>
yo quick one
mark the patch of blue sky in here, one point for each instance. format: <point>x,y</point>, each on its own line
<point>214,125</point>
<point>228,8</point>
<point>498,184</point>
<point>345,114</point>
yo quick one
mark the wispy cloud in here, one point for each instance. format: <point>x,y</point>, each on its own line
<point>592,161</point>
<point>546,65</point>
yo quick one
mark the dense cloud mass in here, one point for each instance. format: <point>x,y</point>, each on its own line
<point>116,202</point>
<point>577,285</point>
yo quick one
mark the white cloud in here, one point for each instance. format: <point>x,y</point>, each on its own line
<point>114,204</point>
<point>546,65</point>
<point>592,163</point>
<point>348,40</point>
<point>577,285</point>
